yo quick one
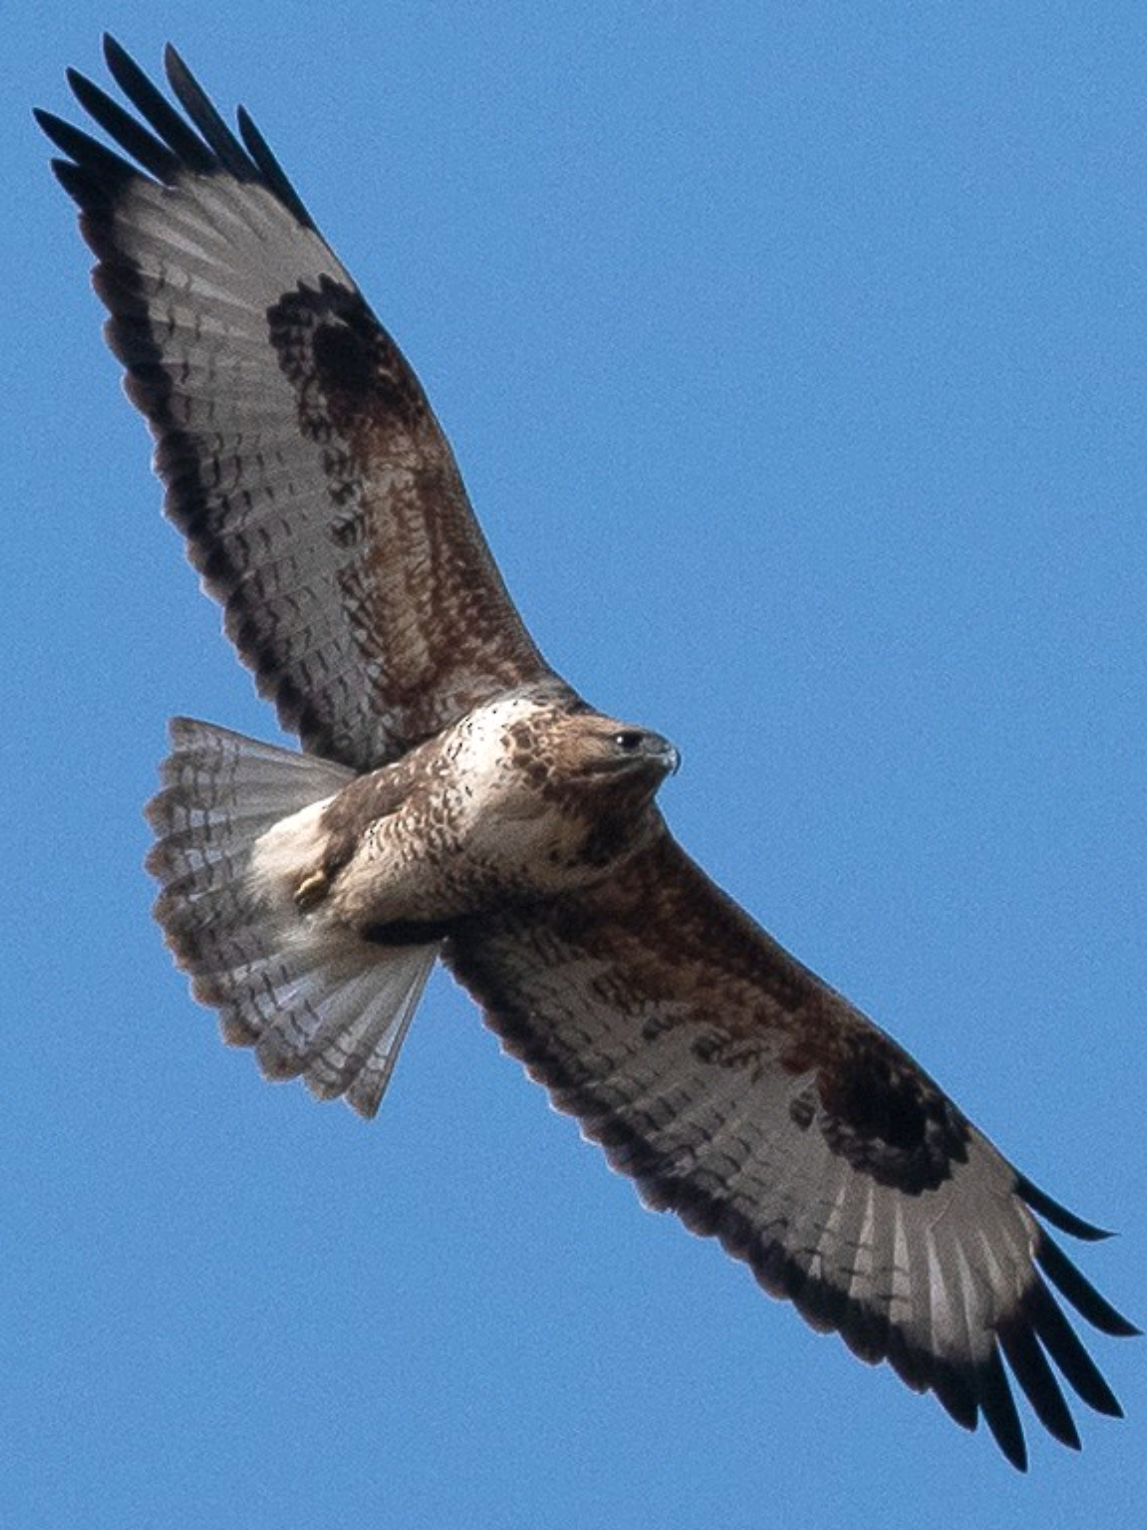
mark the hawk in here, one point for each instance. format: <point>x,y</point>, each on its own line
<point>456,800</point>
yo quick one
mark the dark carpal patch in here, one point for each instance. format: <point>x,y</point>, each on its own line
<point>346,371</point>
<point>343,359</point>
<point>890,1123</point>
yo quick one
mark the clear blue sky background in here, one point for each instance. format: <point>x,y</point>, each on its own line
<point>796,359</point>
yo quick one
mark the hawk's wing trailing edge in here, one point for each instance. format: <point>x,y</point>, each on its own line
<point>456,797</point>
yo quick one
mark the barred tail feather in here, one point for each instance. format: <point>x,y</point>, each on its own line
<point>312,998</point>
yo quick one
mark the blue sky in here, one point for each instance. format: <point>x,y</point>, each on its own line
<point>796,360</point>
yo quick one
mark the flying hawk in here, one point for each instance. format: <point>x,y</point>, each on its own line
<point>455,799</point>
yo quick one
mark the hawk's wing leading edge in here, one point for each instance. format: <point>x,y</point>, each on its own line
<point>320,500</point>
<point>746,1095</point>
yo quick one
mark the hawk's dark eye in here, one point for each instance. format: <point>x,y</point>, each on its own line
<point>630,741</point>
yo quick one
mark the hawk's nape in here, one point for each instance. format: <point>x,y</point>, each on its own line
<point>323,508</point>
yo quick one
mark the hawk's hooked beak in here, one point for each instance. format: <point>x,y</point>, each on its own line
<point>665,753</point>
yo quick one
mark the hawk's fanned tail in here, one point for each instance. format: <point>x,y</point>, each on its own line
<point>311,999</point>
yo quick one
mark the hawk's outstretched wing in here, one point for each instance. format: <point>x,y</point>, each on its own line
<point>746,1095</point>
<point>319,497</point>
